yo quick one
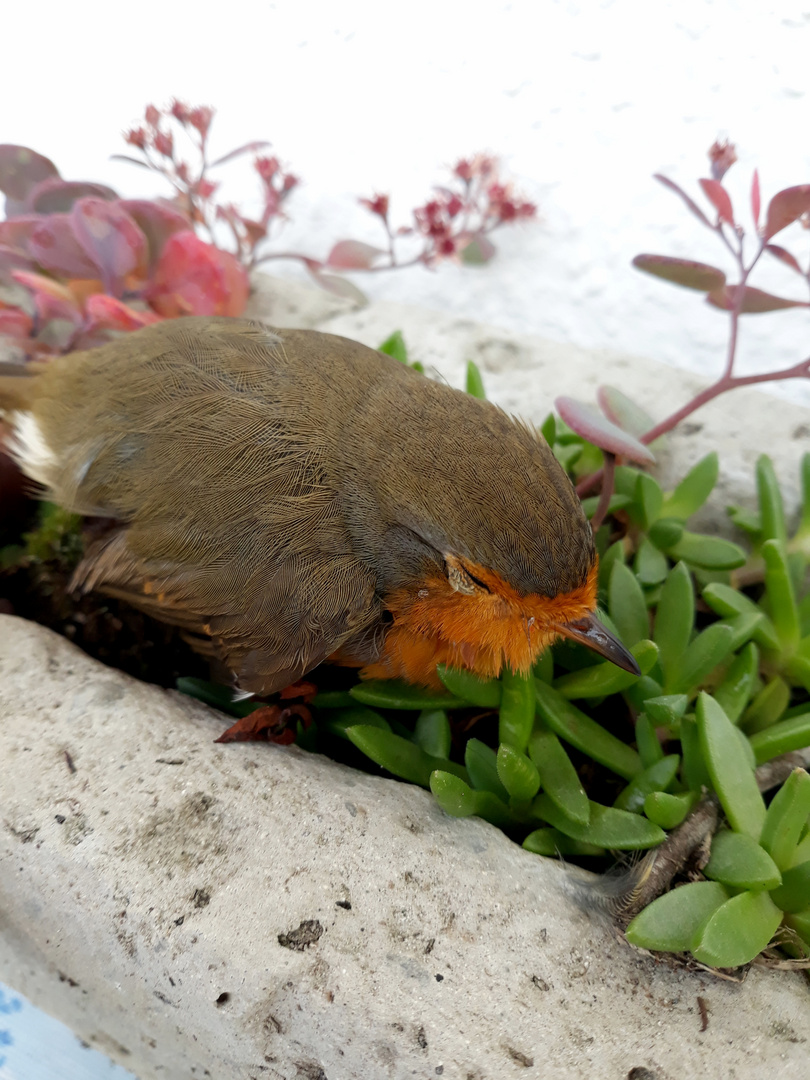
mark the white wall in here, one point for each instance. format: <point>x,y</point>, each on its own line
<point>584,101</point>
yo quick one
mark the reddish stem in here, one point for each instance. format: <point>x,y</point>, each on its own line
<point>722,386</point>
<point>727,381</point>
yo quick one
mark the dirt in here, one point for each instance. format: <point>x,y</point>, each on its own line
<point>108,630</point>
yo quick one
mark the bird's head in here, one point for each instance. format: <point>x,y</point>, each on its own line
<point>506,566</point>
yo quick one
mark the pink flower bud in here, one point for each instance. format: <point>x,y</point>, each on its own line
<point>378,205</point>
<point>164,143</point>
<point>722,156</point>
<point>266,167</point>
<point>136,137</point>
<point>201,118</point>
<point>464,170</point>
<point>206,188</point>
<point>180,111</point>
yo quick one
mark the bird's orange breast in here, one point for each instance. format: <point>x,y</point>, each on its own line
<point>484,632</point>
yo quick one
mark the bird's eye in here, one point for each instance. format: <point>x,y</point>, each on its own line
<point>460,578</point>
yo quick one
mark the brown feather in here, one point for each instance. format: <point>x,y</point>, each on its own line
<point>276,486</point>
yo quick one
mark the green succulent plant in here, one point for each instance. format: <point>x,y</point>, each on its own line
<point>588,760</point>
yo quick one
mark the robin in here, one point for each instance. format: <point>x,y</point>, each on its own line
<point>292,496</point>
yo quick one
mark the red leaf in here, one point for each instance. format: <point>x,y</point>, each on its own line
<point>54,245</point>
<point>52,299</point>
<point>600,431</point>
<point>269,723</point>
<point>247,148</point>
<point>755,301</point>
<point>785,207</point>
<point>785,257</point>
<point>691,204</point>
<point>353,255</point>
<point>52,309</point>
<point>111,238</point>
<point>719,198</point>
<point>338,286</point>
<point>156,221</point>
<point>21,169</point>
<point>106,312</point>
<point>253,727</point>
<point>302,689</point>
<point>195,278</point>
<point>55,196</point>
<point>16,231</point>
<point>755,198</point>
<point>15,323</point>
<point>14,259</point>
<point>38,283</point>
<point>686,272</point>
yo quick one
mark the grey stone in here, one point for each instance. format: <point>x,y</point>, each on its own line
<point>291,304</point>
<point>247,910</point>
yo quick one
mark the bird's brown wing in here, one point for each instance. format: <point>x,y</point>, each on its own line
<point>110,567</point>
<point>220,447</point>
<point>303,614</point>
<point>296,615</point>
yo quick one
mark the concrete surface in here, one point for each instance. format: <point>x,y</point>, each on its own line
<point>158,893</point>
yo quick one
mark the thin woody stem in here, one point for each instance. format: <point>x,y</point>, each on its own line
<point>739,299</point>
<point>726,383</point>
<point>732,340</point>
<point>711,392</point>
<point>392,255</point>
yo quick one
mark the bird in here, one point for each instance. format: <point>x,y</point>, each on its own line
<point>288,497</point>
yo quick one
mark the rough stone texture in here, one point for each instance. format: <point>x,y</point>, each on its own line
<point>142,896</point>
<point>282,302</point>
<point>148,875</point>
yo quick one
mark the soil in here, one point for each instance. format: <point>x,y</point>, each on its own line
<point>108,630</point>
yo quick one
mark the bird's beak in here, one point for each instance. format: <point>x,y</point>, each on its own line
<point>596,637</point>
